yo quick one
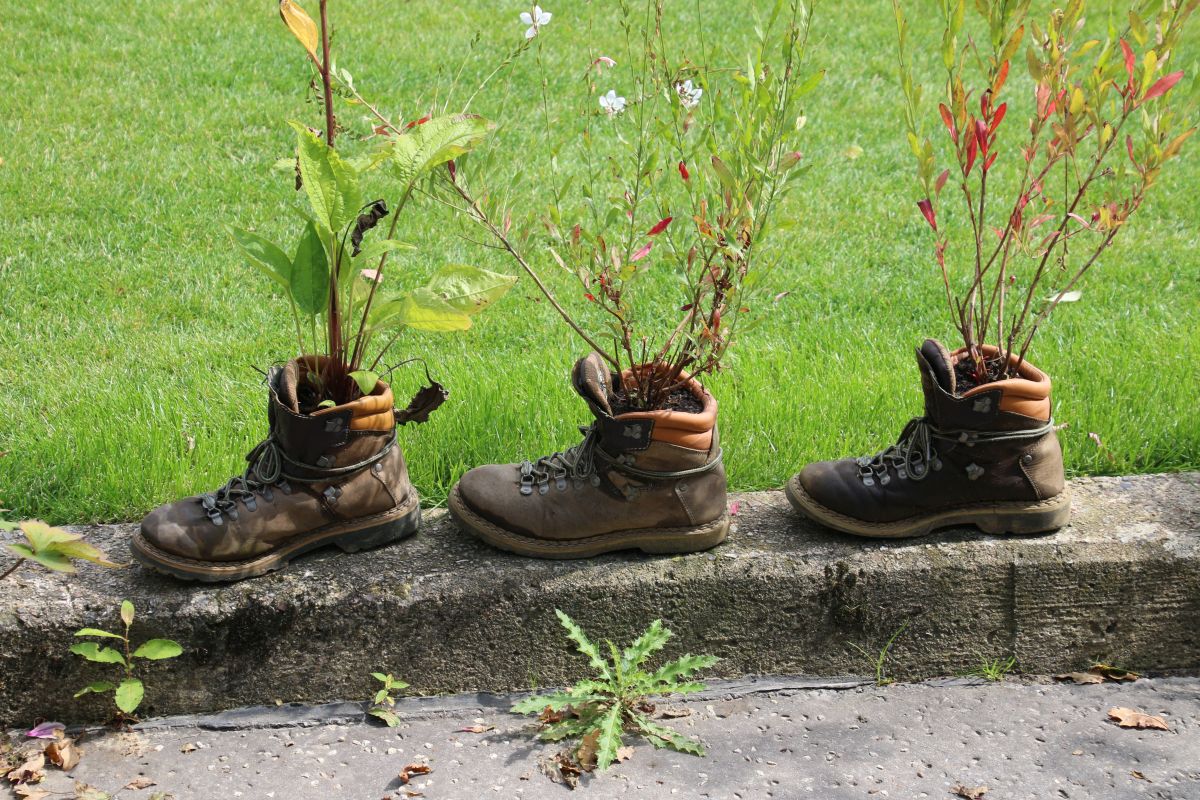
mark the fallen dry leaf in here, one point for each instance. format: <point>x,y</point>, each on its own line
<point>30,771</point>
<point>188,748</point>
<point>1140,776</point>
<point>1131,718</point>
<point>969,792</point>
<point>1080,677</point>
<point>63,753</point>
<point>140,782</point>
<point>85,792</point>
<point>549,716</point>
<point>27,792</point>
<point>1114,673</point>
<point>409,771</point>
<point>624,753</point>
<point>561,768</point>
<point>586,754</point>
<point>478,729</point>
<point>674,713</point>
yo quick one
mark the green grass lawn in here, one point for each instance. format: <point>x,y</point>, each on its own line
<point>133,131</point>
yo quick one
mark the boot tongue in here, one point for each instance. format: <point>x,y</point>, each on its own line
<point>592,379</point>
<point>284,381</point>
<point>939,360</point>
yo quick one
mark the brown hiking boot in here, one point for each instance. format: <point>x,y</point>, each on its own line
<point>645,480</point>
<point>988,457</point>
<point>335,476</point>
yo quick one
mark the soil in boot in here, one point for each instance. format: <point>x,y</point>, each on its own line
<point>323,476</point>
<point>986,456</point>
<point>644,480</point>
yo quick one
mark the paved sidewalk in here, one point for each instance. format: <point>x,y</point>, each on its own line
<point>1021,740</point>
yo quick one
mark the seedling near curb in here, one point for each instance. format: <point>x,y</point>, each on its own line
<point>879,660</point>
<point>994,669</point>
<point>600,710</point>
<point>53,548</point>
<point>384,704</point>
<point>129,690</point>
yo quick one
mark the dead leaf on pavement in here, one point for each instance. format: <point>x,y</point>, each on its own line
<point>1114,673</point>
<point>1131,718</point>
<point>27,792</point>
<point>85,792</point>
<point>624,753</point>
<point>162,796</point>
<point>969,792</point>
<point>63,753</point>
<point>549,716</point>
<point>188,747</point>
<point>1080,677</point>
<point>561,768</point>
<point>586,754</point>
<point>140,782</point>
<point>674,713</point>
<point>1140,776</point>
<point>30,771</point>
<point>478,729</point>
<point>409,771</point>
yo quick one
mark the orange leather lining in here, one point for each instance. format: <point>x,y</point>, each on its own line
<point>1028,395</point>
<point>371,413</point>
<point>694,431</point>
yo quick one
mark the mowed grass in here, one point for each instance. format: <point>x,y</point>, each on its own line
<point>130,331</point>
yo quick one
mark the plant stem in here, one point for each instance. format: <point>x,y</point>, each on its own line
<point>330,123</point>
<point>12,569</point>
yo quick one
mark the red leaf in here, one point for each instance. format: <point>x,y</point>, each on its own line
<point>1130,62</point>
<point>1001,77</point>
<point>688,307</point>
<point>1163,85</point>
<point>590,296</point>
<point>1129,149</point>
<point>948,120</point>
<point>941,181</point>
<point>927,212</point>
<point>1001,110</point>
<point>972,152</point>
<point>453,169</point>
<point>683,171</point>
<point>660,227</point>
<point>988,164</point>
<point>640,254</point>
<point>981,133</point>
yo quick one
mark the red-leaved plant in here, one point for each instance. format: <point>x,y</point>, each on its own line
<point>1101,121</point>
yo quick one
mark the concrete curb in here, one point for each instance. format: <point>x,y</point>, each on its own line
<point>782,597</point>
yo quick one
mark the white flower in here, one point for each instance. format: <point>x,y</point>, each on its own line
<point>612,103</point>
<point>689,95</point>
<point>536,21</point>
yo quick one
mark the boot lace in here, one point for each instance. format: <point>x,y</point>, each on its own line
<point>577,463</point>
<point>263,472</point>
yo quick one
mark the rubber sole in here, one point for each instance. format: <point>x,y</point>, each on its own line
<point>1000,517</point>
<point>352,536</point>
<point>648,540</point>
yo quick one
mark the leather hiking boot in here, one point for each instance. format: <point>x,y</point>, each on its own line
<point>645,480</point>
<point>988,457</point>
<point>334,476</point>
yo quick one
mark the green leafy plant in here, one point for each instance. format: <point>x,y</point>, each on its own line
<point>333,276</point>
<point>383,705</point>
<point>879,660</point>
<point>601,709</point>
<point>994,669</point>
<point>687,176</point>
<point>128,690</point>
<point>53,548</point>
<point>1103,120</point>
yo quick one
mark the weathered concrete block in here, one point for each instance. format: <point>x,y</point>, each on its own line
<point>1121,584</point>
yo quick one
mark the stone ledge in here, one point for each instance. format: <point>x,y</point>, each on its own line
<point>782,597</point>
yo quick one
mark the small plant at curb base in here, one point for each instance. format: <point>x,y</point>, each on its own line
<point>53,548</point>
<point>1102,122</point>
<point>994,669</point>
<point>383,705</point>
<point>128,689</point>
<point>600,710</point>
<point>879,660</point>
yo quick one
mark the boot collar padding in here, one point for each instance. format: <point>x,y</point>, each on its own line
<point>1028,395</point>
<point>693,431</point>
<point>371,413</point>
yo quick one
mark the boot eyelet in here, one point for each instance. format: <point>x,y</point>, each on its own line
<point>683,487</point>
<point>378,468</point>
<point>1027,459</point>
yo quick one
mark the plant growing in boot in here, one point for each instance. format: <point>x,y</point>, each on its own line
<point>1103,122</point>
<point>331,472</point>
<point>600,710</point>
<point>53,548</point>
<point>128,690</point>
<point>383,706</point>
<point>683,185</point>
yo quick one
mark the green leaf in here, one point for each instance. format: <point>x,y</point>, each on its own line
<point>158,649</point>
<point>538,703</point>
<point>379,676</point>
<point>662,736</point>
<point>129,695</point>
<point>97,632</point>
<point>85,552</point>
<point>610,737</point>
<point>127,612</point>
<point>310,273</point>
<point>331,183</point>
<point>98,687</point>
<point>41,536</point>
<point>469,290</point>
<point>94,652</point>
<point>389,717</point>
<point>264,256</point>
<point>584,645</point>
<point>653,640</point>
<point>432,144</point>
<point>377,248</point>
<point>5,525</point>
<point>669,674</point>
<point>725,176</point>
<point>51,559</point>
<point>366,380</point>
<point>569,727</point>
<point>420,309</point>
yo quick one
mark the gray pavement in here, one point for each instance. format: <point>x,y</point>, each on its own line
<point>765,740</point>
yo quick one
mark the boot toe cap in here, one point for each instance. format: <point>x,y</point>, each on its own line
<point>493,492</point>
<point>832,484</point>
<point>166,529</point>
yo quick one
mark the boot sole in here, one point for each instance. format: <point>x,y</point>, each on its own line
<point>1000,517</point>
<point>351,536</point>
<point>648,540</point>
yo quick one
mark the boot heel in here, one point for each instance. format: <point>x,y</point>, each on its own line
<point>380,535</point>
<point>1037,519</point>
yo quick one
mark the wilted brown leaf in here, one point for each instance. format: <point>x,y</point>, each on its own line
<point>1131,718</point>
<point>549,716</point>
<point>30,771</point>
<point>188,747</point>
<point>27,792</point>
<point>624,753</point>
<point>674,713</point>
<point>301,25</point>
<point>478,729</point>
<point>561,768</point>
<point>969,792</point>
<point>86,792</point>
<point>1080,677</point>
<point>1114,673</point>
<point>586,754</point>
<point>1140,776</point>
<point>140,782</point>
<point>63,753</point>
<point>409,771</point>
